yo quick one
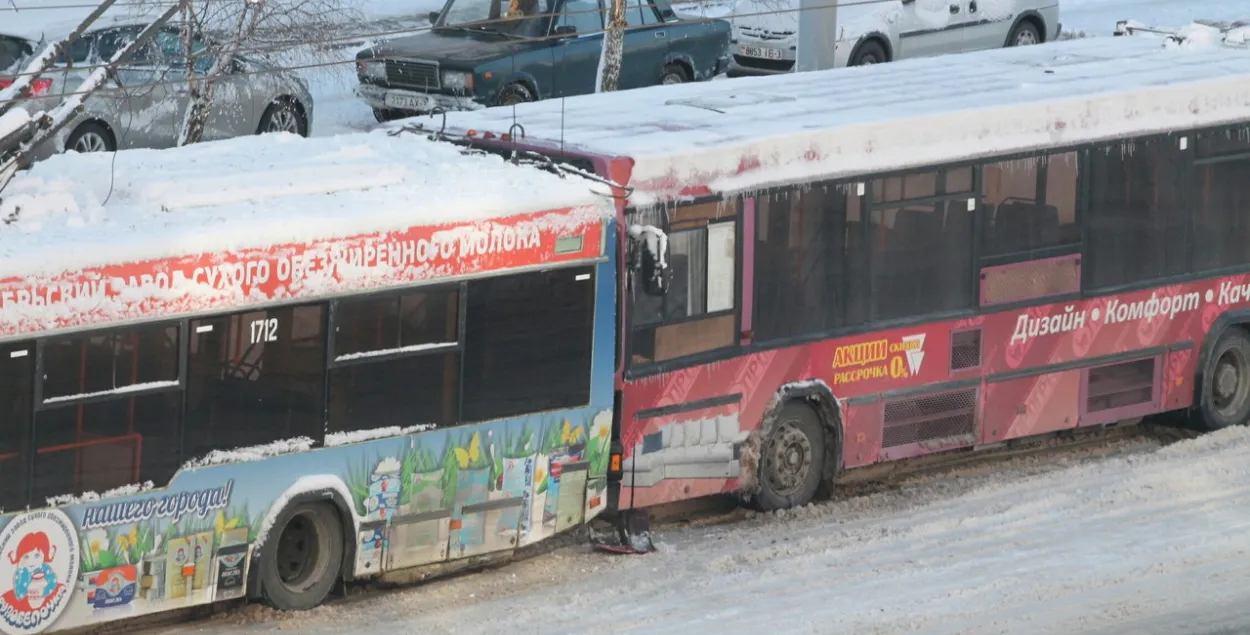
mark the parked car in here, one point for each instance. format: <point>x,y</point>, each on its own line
<point>765,32</point>
<point>145,101</point>
<point>484,53</point>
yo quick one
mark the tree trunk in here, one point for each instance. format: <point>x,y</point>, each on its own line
<point>613,49</point>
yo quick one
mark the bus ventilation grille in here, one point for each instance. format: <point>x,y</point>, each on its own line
<point>966,350</point>
<point>1120,385</point>
<point>929,418</point>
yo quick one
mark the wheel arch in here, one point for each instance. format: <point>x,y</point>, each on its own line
<point>685,61</point>
<point>872,36</point>
<point>286,98</point>
<point>1239,318</point>
<point>99,121</point>
<point>817,395</point>
<point>1033,17</point>
<point>309,489</point>
<point>525,80</point>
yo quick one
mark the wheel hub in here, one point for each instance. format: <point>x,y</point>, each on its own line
<point>297,551</point>
<point>789,459</point>
<point>1225,380</point>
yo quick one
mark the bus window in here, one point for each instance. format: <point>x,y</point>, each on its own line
<point>697,314</point>
<point>91,437</point>
<point>1029,204</point>
<point>1137,206</point>
<point>528,341</point>
<point>255,378</point>
<point>922,249</point>
<point>805,269</point>
<point>17,376</point>
<point>1222,226</point>
<point>397,361</point>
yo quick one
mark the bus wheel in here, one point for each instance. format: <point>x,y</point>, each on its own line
<point>1226,382</point>
<point>792,459</point>
<point>302,557</point>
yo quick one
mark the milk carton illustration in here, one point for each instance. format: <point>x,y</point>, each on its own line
<point>384,483</point>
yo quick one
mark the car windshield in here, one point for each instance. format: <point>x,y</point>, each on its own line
<point>523,18</point>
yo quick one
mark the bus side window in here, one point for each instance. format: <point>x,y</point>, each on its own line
<point>110,413</point>
<point>396,361</point>
<point>528,343</point>
<point>255,378</point>
<point>17,378</point>
<point>698,314</point>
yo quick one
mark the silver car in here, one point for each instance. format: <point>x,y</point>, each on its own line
<point>144,103</point>
<point>765,32</point>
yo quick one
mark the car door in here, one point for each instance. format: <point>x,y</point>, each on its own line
<point>989,22</point>
<point>579,28</point>
<point>230,112</point>
<point>135,98</point>
<point>646,46</point>
<point>931,27</point>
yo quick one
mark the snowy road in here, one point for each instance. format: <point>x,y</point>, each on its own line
<point>1147,541</point>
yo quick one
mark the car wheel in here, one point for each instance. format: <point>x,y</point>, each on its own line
<point>283,116</point>
<point>674,74</point>
<point>870,52</point>
<point>514,94</point>
<point>90,137</point>
<point>1024,34</point>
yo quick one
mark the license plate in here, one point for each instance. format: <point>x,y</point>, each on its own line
<point>407,102</point>
<point>759,51</point>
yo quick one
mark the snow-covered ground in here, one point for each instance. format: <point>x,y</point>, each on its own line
<point>1138,540</point>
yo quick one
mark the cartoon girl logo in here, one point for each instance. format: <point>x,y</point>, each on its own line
<point>34,581</point>
<point>39,561</point>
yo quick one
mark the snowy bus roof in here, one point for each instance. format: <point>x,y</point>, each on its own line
<point>100,238</point>
<point>747,133</point>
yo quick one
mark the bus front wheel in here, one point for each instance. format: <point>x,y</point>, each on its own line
<point>302,557</point>
<point>792,459</point>
<point>1226,382</point>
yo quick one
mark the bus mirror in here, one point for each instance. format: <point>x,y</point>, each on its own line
<point>652,244</point>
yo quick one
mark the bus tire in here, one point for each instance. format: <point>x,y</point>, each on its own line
<point>302,557</point>
<point>792,459</point>
<point>1225,399</point>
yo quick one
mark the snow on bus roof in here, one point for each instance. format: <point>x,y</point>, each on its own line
<point>747,133</point>
<point>75,211</point>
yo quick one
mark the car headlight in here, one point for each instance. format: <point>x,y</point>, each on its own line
<point>372,69</point>
<point>457,80</point>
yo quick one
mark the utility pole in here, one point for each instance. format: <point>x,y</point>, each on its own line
<point>818,35</point>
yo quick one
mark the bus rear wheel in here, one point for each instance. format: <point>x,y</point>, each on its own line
<point>302,556</point>
<point>1226,382</point>
<point>792,459</point>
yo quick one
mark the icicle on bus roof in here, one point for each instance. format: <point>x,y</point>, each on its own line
<point>749,133</point>
<point>267,218</point>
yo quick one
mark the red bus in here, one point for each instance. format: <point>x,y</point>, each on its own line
<point>878,263</point>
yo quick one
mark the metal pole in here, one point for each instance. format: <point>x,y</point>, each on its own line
<point>818,28</point>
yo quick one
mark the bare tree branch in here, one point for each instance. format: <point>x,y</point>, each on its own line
<point>42,62</point>
<point>53,121</point>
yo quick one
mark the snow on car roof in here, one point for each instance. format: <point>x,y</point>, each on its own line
<point>75,211</point>
<point>748,133</point>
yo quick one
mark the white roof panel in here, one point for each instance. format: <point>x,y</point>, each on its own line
<point>754,132</point>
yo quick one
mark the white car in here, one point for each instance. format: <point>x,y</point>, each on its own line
<point>765,32</point>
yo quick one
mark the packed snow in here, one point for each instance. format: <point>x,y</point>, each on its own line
<point>82,210</point>
<point>334,439</point>
<point>845,122</point>
<point>12,121</point>
<point>1084,544</point>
